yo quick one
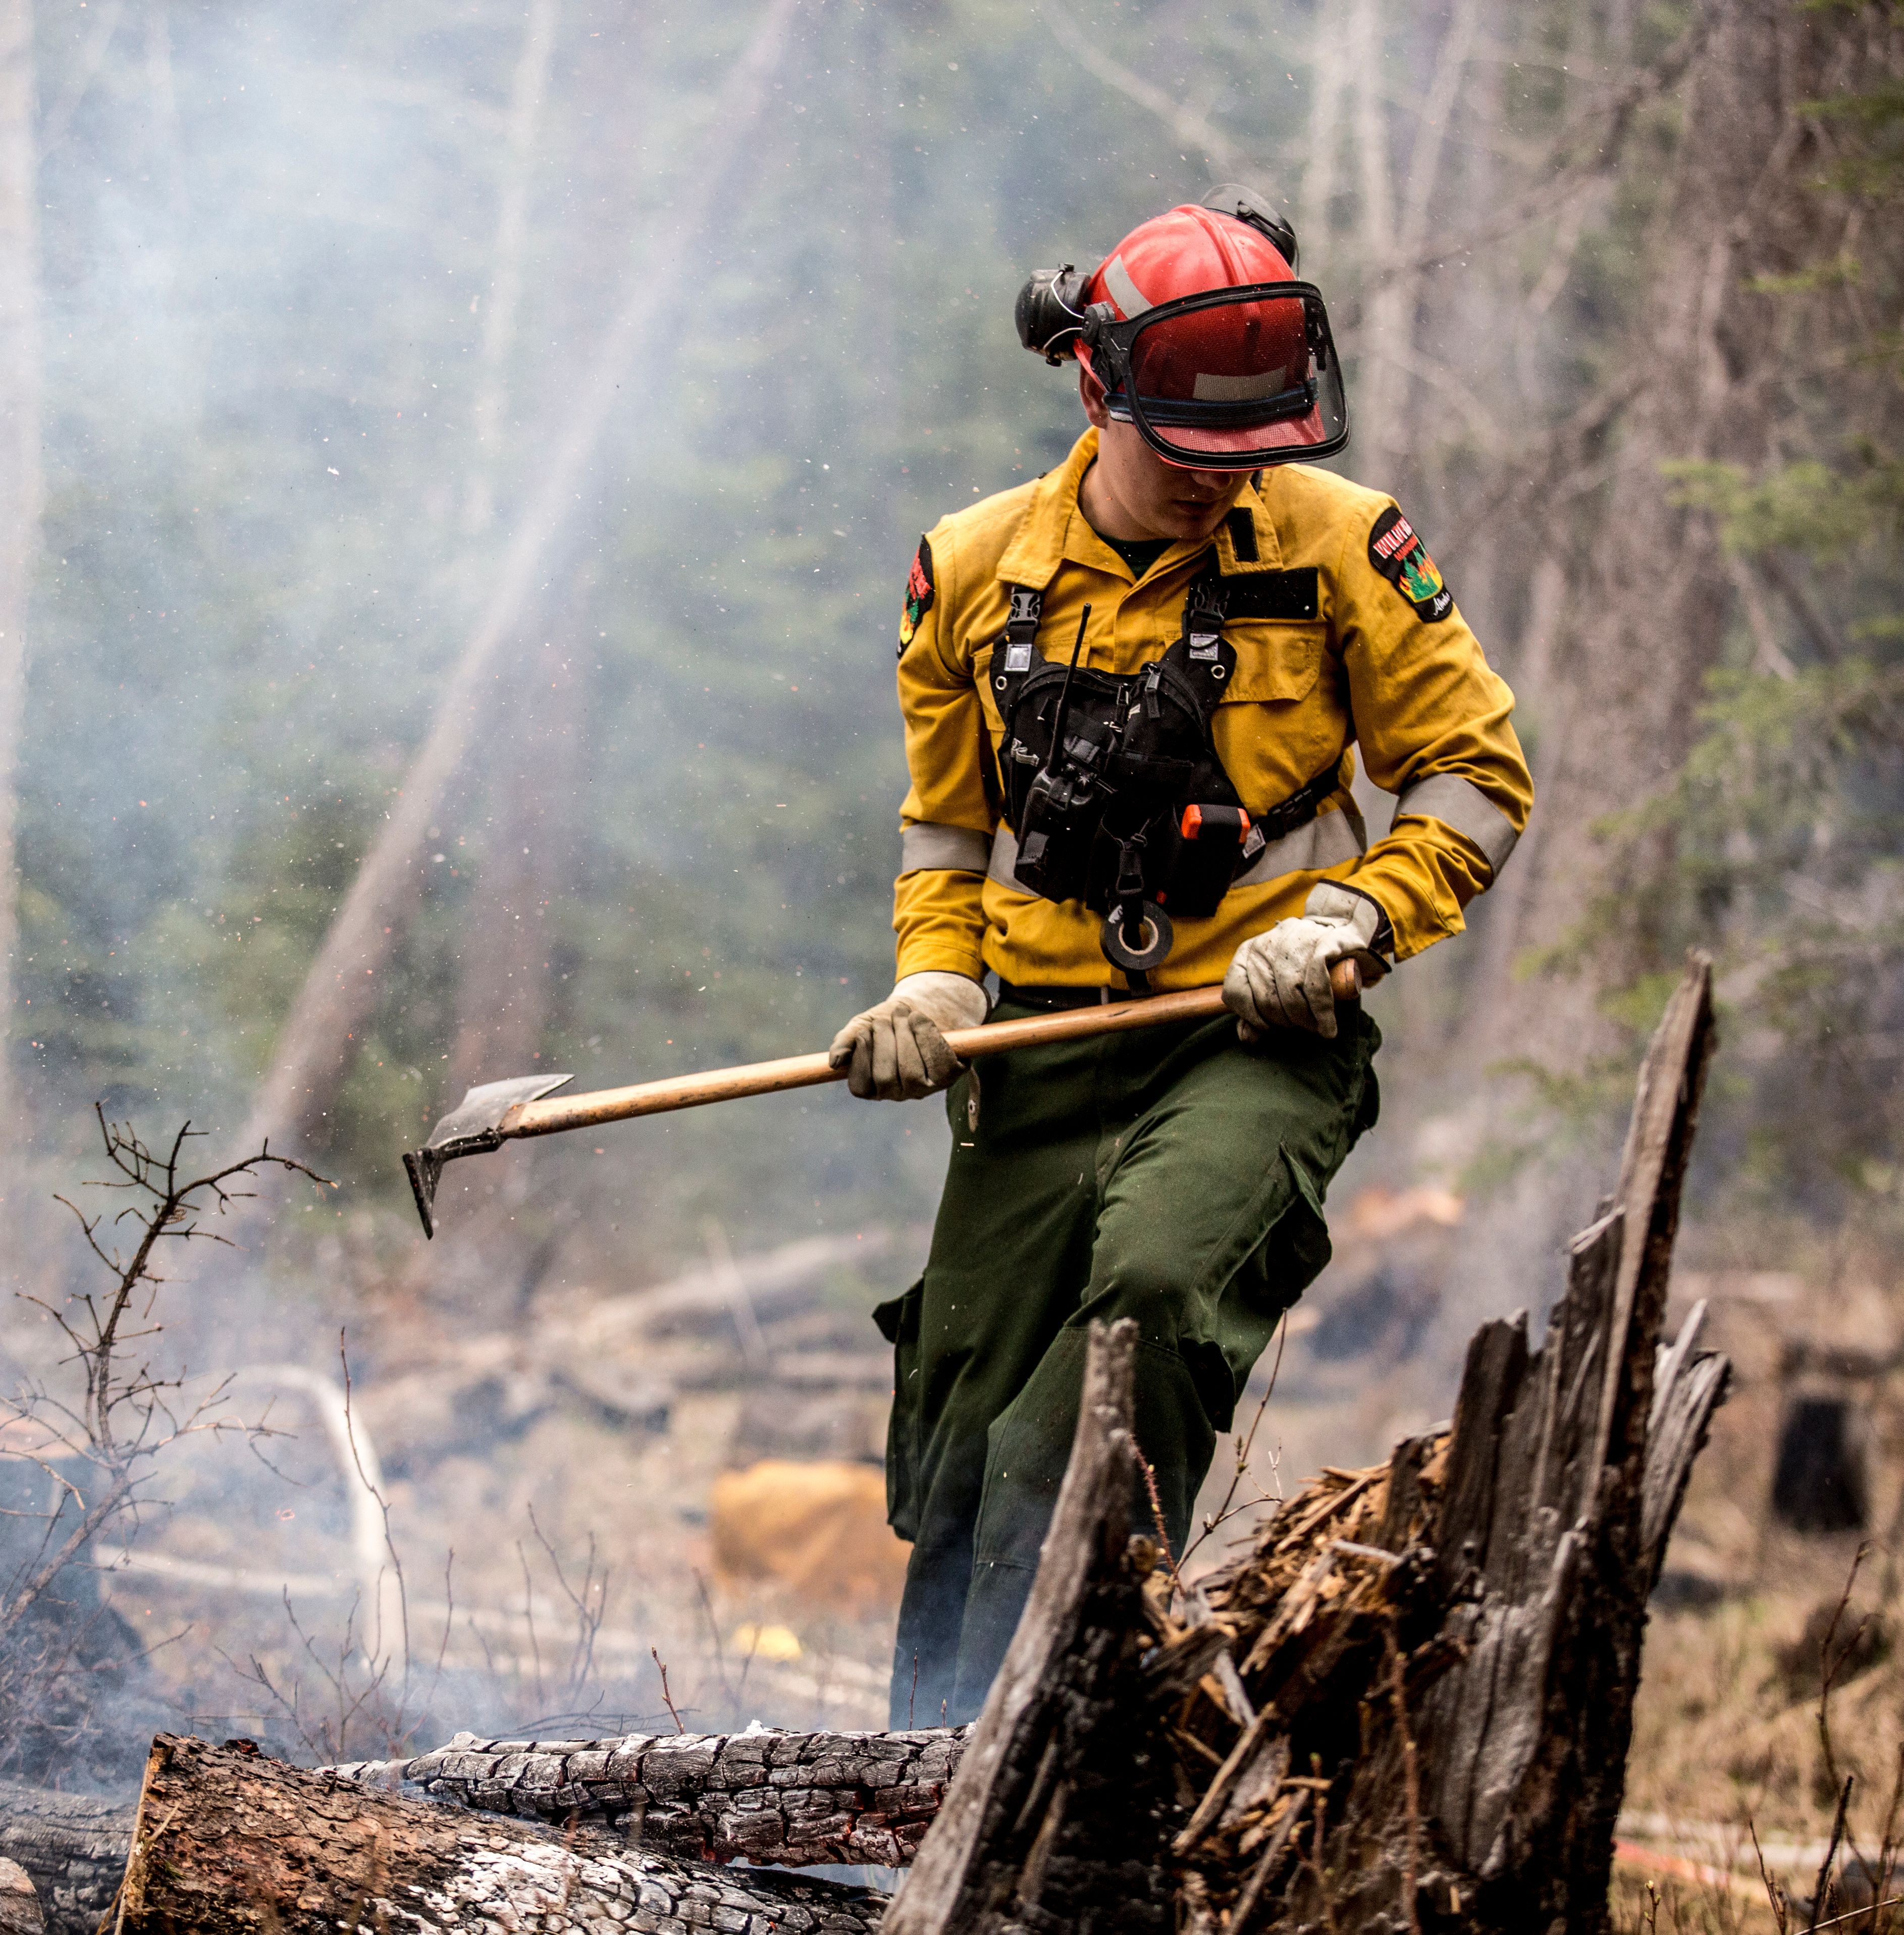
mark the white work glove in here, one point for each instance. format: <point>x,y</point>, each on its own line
<point>1281,979</point>
<point>897,1052</point>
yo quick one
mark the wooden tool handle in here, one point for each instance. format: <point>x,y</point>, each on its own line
<point>671,1092</point>
<point>1193,1004</point>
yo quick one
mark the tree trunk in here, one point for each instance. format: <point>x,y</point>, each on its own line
<point>503,987</point>
<point>795,1800</point>
<point>20,482</point>
<point>314,1050</point>
<point>1647,599</point>
<point>502,991</point>
<point>528,91</point>
<point>1328,65</point>
<point>227,1840</point>
<point>1384,342</point>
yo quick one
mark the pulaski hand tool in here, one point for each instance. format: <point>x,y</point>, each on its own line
<point>499,1112</point>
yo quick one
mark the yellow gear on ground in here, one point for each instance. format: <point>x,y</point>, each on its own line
<point>1431,717</point>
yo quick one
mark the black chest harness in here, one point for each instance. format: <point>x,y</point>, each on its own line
<point>1113,786</point>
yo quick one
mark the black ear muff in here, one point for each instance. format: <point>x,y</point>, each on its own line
<point>1049,312</point>
<point>1247,205</point>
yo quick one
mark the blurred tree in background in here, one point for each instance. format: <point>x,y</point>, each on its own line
<point>1788,818</point>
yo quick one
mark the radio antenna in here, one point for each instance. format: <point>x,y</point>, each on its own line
<point>1064,696</point>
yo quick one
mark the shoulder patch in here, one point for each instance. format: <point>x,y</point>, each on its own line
<point>1402,558</point>
<point>918,595</point>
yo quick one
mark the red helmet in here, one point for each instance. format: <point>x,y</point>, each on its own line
<point>1194,329</point>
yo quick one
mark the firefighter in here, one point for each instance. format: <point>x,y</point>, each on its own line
<point>1132,692</point>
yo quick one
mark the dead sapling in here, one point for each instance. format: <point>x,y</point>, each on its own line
<point>1825,1889</point>
<point>587,1607</point>
<point>1831,1660</point>
<point>1887,1845</point>
<point>1775,1893</point>
<point>97,1428</point>
<point>706,1603</point>
<point>126,1413</point>
<point>1149,1472</point>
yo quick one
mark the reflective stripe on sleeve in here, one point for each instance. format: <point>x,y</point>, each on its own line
<point>1004,857</point>
<point>1328,840</point>
<point>1458,803</point>
<point>927,848</point>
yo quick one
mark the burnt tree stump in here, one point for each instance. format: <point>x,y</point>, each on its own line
<point>1563,1473</point>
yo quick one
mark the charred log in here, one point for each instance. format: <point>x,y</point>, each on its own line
<point>795,1800</point>
<point>230,1842</point>
<point>72,1848</point>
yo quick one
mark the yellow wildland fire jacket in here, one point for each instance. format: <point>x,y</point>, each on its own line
<point>1375,654</point>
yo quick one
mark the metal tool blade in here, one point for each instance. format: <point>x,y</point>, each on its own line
<point>471,1128</point>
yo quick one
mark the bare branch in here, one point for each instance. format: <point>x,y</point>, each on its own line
<point>122,1418</point>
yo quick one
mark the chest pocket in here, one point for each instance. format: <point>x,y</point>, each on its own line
<point>1275,623</point>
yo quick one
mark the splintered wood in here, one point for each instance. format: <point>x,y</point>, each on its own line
<point>1327,1624</point>
<point>1310,1601</point>
<point>1050,1822</point>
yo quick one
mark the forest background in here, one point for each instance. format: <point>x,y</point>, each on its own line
<point>461,461</point>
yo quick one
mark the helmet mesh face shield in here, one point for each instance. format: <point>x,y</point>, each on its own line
<point>1230,379</point>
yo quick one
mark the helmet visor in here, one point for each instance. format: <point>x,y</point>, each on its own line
<point>1230,380</point>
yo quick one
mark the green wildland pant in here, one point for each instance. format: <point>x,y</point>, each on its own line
<point>1170,1175</point>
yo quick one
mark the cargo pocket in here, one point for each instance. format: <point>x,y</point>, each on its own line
<point>1368,1102</point>
<point>1289,1256</point>
<point>1298,1249</point>
<point>898,1324</point>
